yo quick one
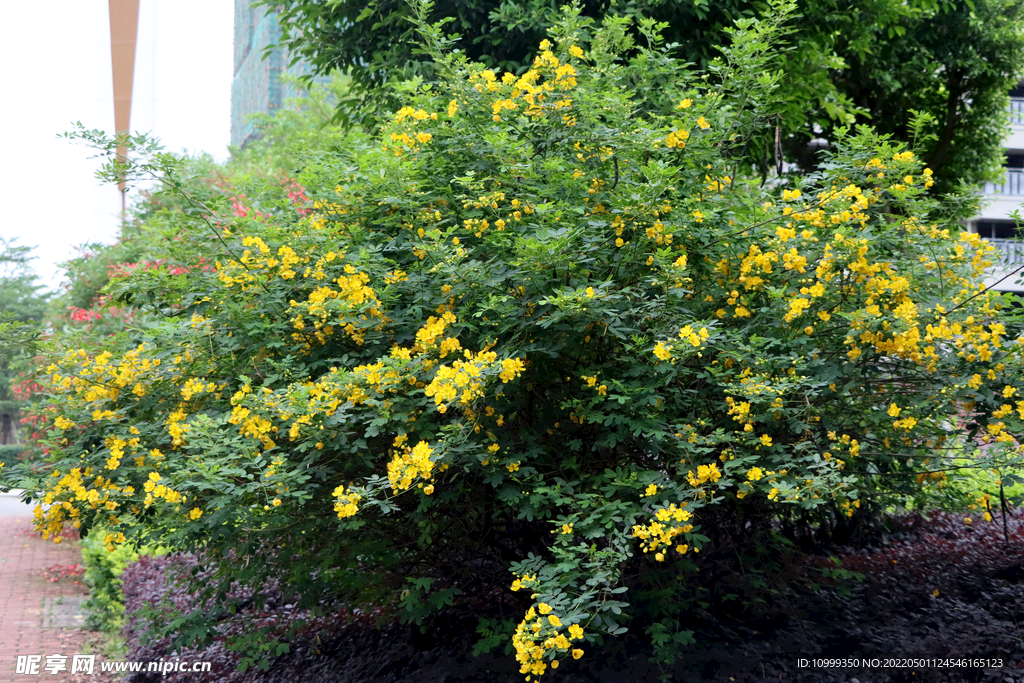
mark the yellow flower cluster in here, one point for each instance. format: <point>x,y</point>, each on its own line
<point>112,540</point>
<point>196,386</point>
<point>602,389</point>
<point>427,336</point>
<point>695,338</point>
<point>539,633</point>
<point>661,531</point>
<point>465,379</point>
<point>677,139</point>
<point>253,426</point>
<point>409,464</point>
<point>329,307</point>
<point>154,489</point>
<point>510,369</point>
<point>541,88</point>
<point>687,333</point>
<point>244,270</point>
<point>523,581</point>
<point>345,504</point>
<point>177,427</point>
<point>98,379</point>
<point>705,473</point>
<point>740,411</point>
<point>409,139</point>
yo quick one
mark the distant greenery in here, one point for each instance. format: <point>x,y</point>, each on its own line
<point>23,305</point>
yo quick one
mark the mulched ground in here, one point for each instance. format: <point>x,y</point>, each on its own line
<point>936,588</point>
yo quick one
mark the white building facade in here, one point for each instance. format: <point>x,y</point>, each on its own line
<point>1000,201</point>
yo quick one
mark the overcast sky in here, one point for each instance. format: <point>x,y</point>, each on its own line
<point>55,58</point>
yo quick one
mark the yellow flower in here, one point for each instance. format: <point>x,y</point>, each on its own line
<point>511,368</point>
<point>685,104</point>
<point>554,621</point>
<point>703,123</point>
<point>663,352</point>
<point>428,489</point>
<point>894,410</point>
<point>577,653</point>
<point>575,51</point>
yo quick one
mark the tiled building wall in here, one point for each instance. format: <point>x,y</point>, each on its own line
<point>256,86</point>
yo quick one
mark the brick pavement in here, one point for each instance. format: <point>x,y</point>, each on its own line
<point>23,590</point>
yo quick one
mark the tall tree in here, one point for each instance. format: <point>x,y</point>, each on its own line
<point>21,303</point>
<point>847,62</point>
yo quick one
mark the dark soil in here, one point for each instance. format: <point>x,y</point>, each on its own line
<point>934,589</point>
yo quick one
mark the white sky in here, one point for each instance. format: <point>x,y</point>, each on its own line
<point>55,62</point>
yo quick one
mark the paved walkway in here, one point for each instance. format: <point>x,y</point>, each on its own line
<point>36,616</point>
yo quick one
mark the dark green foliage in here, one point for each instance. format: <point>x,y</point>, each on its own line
<point>845,62</point>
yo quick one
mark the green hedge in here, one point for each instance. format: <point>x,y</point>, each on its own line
<point>103,569</point>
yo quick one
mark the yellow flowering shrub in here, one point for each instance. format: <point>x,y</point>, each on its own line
<point>385,382</point>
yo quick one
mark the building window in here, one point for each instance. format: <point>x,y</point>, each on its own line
<point>1000,230</point>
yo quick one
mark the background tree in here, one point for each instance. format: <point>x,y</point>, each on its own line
<point>22,307</point>
<point>846,62</point>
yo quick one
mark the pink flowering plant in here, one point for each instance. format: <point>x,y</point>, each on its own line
<point>533,351</point>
